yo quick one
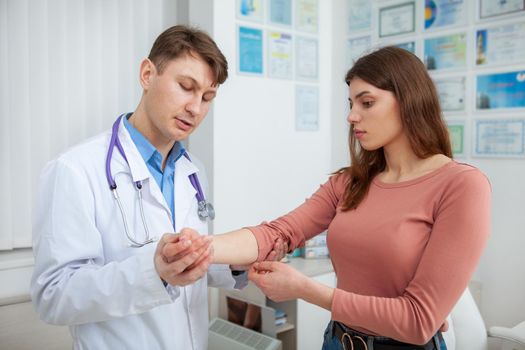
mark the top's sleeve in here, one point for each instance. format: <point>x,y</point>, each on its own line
<point>306,221</point>
<point>72,281</point>
<point>459,234</point>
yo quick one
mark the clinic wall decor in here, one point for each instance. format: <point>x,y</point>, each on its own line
<point>278,39</point>
<point>474,52</point>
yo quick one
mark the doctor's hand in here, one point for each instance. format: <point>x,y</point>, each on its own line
<point>280,282</point>
<point>182,259</point>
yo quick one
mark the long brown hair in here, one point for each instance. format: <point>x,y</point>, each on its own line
<point>402,73</point>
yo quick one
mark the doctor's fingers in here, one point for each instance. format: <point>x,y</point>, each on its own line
<point>178,266</point>
<point>206,255</point>
<point>190,275</point>
<point>176,251</point>
<point>196,272</point>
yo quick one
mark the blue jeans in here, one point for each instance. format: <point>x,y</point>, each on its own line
<point>331,342</point>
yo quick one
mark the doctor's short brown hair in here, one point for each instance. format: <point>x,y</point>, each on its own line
<point>181,40</point>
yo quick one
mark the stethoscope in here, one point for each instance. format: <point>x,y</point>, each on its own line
<point>205,209</point>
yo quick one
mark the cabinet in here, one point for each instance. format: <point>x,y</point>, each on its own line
<point>305,322</point>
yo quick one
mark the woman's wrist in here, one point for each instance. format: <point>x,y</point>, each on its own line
<point>317,293</point>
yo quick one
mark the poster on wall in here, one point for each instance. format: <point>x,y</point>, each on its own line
<point>306,58</point>
<point>444,13</point>
<point>456,131</point>
<point>281,12</point>
<point>397,19</point>
<point>307,14</point>
<point>280,55</point>
<point>491,8</point>
<point>306,108</point>
<point>499,138</point>
<point>500,45</point>
<point>451,93</point>
<point>359,15</point>
<point>250,48</point>
<point>355,48</point>
<point>250,10</point>
<point>446,52</point>
<point>500,90</point>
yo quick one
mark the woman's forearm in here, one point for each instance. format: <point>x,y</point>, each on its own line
<point>235,248</point>
<point>318,294</point>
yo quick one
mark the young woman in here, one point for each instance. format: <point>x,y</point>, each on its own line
<point>406,223</point>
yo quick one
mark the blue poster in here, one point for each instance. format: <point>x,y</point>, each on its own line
<point>442,13</point>
<point>281,12</point>
<point>502,90</point>
<point>250,50</point>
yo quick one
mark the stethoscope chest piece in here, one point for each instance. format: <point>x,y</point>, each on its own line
<point>206,211</point>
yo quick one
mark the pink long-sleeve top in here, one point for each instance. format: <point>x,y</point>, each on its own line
<point>404,256</point>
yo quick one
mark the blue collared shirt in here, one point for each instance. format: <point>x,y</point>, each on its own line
<point>153,160</point>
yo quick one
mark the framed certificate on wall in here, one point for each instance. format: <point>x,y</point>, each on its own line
<point>397,19</point>
<point>491,8</point>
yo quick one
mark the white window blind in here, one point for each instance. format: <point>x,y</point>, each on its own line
<point>67,69</point>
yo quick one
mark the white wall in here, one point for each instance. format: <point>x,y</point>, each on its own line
<point>502,267</point>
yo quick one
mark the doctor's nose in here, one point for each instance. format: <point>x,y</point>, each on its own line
<point>194,106</point>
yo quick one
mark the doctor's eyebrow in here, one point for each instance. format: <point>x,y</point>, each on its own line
<point>195,82</point>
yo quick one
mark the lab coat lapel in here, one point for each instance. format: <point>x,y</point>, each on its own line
<point>184,192</point>
<point>139,169</point>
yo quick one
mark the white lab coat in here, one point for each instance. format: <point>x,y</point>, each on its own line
<point>87,277</point>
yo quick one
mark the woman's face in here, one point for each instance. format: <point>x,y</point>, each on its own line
<point>374,115</point>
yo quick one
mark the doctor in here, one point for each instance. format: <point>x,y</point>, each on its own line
<point>103,204</point>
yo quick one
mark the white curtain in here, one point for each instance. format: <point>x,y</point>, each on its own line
<point>67,69</point>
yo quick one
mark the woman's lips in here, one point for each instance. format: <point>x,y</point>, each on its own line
<point>359,133</point>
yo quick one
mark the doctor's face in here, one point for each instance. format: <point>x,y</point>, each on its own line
<point>177,100</point>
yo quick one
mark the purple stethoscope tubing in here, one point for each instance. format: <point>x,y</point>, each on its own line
<point>205,210</point>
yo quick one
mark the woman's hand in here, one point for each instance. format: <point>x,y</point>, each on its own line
<point>280,282</point>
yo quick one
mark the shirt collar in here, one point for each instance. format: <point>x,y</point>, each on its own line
<point>147,150</point>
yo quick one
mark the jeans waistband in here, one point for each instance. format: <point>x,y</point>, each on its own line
<point>354,340</point>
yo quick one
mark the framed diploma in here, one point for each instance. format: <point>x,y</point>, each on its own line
<point>499,138</point>
<point>500,45</point>
<point>359,15</point>
<point>306,108</point>
<point>491,8</point>
<point>456,131</point>
<point>500,90</point>
<point>444,13</point>
<point>397,19</point>
<point>306,58</point>
<point>280,55</point>
<point>446,52</point>
<point>280,12</point>
<point>355,48</point>
<point>306,14</point>
<point>451,93</point>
